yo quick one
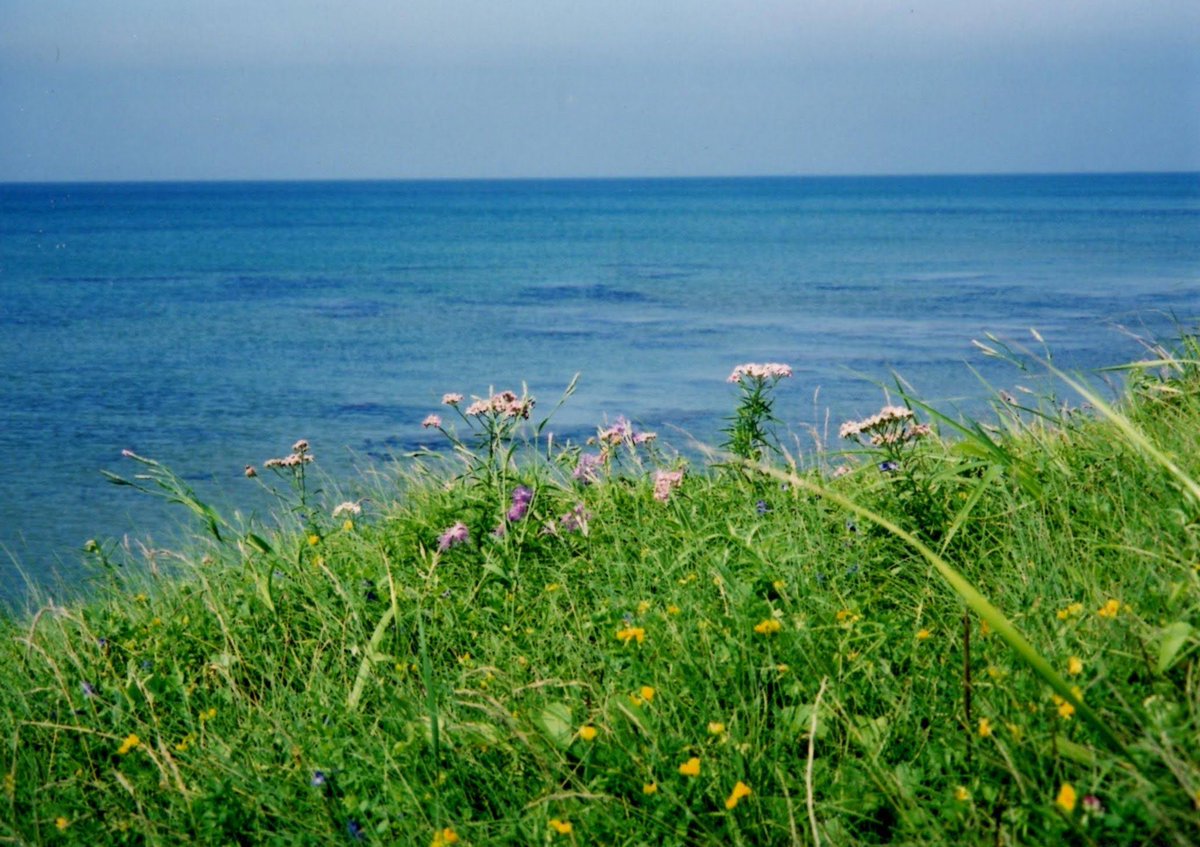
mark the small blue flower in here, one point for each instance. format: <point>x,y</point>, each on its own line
<point>354,829</point>
<point>762,507</point>
<point>888,467</point>
<point>88,689</point>
<point>318,779</point>
<point>853,570</point>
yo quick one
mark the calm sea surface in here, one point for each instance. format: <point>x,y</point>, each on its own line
<point>211,325</point>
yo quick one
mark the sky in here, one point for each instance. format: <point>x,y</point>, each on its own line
<point>378,89</point>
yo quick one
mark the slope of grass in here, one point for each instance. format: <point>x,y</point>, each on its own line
<point>740,660</point>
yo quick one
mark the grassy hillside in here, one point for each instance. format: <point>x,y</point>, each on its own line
<point>935,632</point>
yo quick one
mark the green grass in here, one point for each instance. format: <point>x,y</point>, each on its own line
<point>318,681</point>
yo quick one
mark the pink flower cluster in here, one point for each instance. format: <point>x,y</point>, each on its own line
<point>888,426</point>
<point>622,431</point>
<point>769,370</point>
<point>521,498</point>
<point>299,456</point>
<point>451,399</point>
<point>455,535</point>
<point>589,467</point>
<point>575,520</point>
<point>432,421</point>
<point>665,482</point>
<point>505,403</point>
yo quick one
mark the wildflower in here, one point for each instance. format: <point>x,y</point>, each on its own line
<point>521,498</point>
<point>961,794</point>
<point>300,446</point>
<point>447,836</point>
<point>432,421</point>
<point>650,788</point>
<point>1069,611</point>
<point>770,626</point>
<point>561,827</point>
<point>455,535</point>
<point>647,693</point>
<point>451,399</point>
<point>770,370</point>
<point>1065,708</point>
<point>128,744</point>
<point>250,472</point>
<point>665,482</point>
<point>314,540</point>
<point>739,791</point>
<point>985,728</point>
<point>1091,804</point>
<point>762,507</point>
<point>88,689</point>
<point>840,471</point>
<point>779,584</point>
<point>888,467</point>
<point>924,635</point>
<point>1066,798</point>
<point>506,403</point>
<point>318,779</point>
<point>587,469</point>
<point>672,609</point>
<point>354,830</point>
<point>1074,666</point>
<point>618,432</point>
<point>631,633</point>
<point>576,520</point>
<point>847,617</point>
<point>62,823</point>
<point>985,629</point>
<point>588,733</point>
<point>1109,609</point>
<point>691,767</point>
<point>716,728</point>
<point>347,508</point>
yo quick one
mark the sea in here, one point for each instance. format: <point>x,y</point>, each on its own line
<point>210,325</point>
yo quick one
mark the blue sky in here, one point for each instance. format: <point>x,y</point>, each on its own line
<point>128,90</point>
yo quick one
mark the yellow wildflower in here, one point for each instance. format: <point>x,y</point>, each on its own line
<point>647,693</point>
<point>314,540</point>
<point>1014,730</point>
<point>923,634</point>
<point>561,827</point>
<point>1074,666</point>
<point>691,767</point>
<point>643,607</point>
<point>444,838</point>
<point>673,609</point>
<point>140,598</point>
<point>961,794</point>
<point>348,525</point>
<point>552,587</point>
<point>985,629</point>
<point>62,823</point>
<point>985,728</point>
<point>650,788</point>
<point>716,728</point>
<point>128,744</point>
<point>588,733</point>
<point>1070,610</point>
<point>768,627</point>
<point>631,633</point>
<point>739,791</point>
<point>1066,798</point>
<point>779,585</point>
<point>1109,609</point>
<point>1065,709</point>
<point>847,617</point>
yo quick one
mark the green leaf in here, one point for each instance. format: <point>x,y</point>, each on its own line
<point>555,722</point>
<point>1170,641</point>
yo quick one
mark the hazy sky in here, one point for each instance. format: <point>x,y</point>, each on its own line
<point>167,89</point>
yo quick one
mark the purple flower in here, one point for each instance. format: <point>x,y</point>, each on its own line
<point>318,779</point>
<point>888,467</point>
<point>354,830</point>
<point>762,507</point>
<point>588,469</point>
<point>455,535</point>
<point>521,498</point>
<point>576,520</point>
<point>88,689</point>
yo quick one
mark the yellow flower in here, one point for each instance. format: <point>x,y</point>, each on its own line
<point>650,788</point>
<point>1069,611</point>
<point>1065,709</point>
<point>561,827</point>
<point>739,791</point>
<point>985,629</point>
<point>444,838</point>
<point>716,728</point>
<point>1109,609</point>
<point>1014,730</point>
<point>691,767</point>
<point>985,727</point>
<point>673,609</point>
<point>631,633</point>
<point>587,733</point>
<point>61,823</point>
<point>128,744</point>
<point>1074,666</point>
<point>961,794</point>
<point>768,627</point>
<point>1066,798</point>
<point>845,615</point>
<point>314,540</point>
<point>208,715</point>
<point>779,585</point>
<point>348,525</point>
<point>923,634</point>
<point>647,693</point>
<point>552,587</point>
<point>643,607</point>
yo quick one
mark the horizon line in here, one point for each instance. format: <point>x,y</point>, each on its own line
<point>597,178</point>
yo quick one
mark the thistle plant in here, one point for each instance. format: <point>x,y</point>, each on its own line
<point>749,433</point>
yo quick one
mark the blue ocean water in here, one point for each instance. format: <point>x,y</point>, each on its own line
<point>211,325</point>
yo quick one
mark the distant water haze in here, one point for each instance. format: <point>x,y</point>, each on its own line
<point>211,325</point>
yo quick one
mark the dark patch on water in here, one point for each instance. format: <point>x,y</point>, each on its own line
<point>566,293</point>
